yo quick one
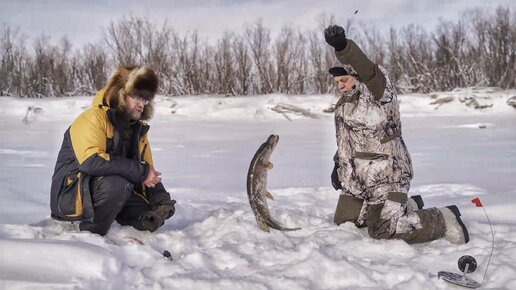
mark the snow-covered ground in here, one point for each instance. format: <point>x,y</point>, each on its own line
<point>203,146</point>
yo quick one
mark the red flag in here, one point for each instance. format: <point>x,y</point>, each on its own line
<point>477,202</point>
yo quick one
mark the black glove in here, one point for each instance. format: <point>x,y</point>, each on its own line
<point>335,178</point>
<point>150,221</point>
<point>162,209</point>
<point>336,37</point>
<point>165,210</point>
<point>162,199</point>
<point>155,218</point>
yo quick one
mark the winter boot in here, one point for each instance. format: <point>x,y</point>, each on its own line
<point>414,203</point>
<point>456,231</point>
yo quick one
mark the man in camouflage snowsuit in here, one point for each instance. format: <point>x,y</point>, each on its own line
<point>372,165</point>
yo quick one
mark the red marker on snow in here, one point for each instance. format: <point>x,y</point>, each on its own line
<point>477,202</point>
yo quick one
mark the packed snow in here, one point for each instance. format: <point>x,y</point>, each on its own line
<point>462,143</point>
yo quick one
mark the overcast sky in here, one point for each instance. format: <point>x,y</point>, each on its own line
<point>84,21</point>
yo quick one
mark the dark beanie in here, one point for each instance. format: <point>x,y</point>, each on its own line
<point>337,69</point>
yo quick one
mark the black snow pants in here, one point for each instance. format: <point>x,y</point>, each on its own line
<point>113,199</point>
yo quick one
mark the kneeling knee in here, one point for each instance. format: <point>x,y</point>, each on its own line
<point>114,188</point>
<point>378,235</point>
<point>379,230</point>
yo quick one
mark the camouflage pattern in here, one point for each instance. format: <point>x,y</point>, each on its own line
<point>372,156</point>
<point>374,163</point>
<point>390,221</point>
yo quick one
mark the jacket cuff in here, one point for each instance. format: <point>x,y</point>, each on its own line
<point>342,46</point>
<point>145,172</point>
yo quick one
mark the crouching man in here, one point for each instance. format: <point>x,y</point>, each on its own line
<point>104,170</point>
<point>372,164</point>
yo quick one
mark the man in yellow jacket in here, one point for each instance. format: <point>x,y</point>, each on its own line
<point>104,171</point>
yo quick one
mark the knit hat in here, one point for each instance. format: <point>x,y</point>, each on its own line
<point>338,69</point>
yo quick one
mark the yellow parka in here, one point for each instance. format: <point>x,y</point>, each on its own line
<point>91,147</point>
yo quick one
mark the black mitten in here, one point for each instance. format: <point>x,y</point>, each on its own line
<point>162,209</point>
<point>150,221</point>
<point>336,37</point>
<point>162,204</point>
<point>335,178</point>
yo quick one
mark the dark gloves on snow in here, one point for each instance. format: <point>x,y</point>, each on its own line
<point>336,37</point>
<point>151,221</point>
<point>335,178</point>
<point>162,209</point>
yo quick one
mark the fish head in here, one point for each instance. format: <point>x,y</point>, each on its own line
<point>269,146</point>
<point>271,142</point>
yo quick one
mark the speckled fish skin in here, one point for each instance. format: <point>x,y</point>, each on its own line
<point>257,186</point>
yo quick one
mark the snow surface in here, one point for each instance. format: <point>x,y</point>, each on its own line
<point>203,146</point>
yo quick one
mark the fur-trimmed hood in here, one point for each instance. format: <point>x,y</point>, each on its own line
<point>129,80</point>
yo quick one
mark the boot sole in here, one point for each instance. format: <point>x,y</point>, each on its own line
<point>457,214</point>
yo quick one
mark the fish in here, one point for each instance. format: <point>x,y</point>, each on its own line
<point>257,186</point>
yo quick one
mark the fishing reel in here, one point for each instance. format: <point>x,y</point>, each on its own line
<point>467,264</point>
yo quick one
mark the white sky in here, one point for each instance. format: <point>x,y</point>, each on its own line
<point>83,21</point>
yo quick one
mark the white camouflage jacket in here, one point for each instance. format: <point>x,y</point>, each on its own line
<point>372,157</point>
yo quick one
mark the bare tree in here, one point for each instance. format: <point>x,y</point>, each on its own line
<point>125,39</point>
<point>283,54</point>
<point>94,66</point>
<point>450,40</point>
<point>417,58</point>
<point>298,64</point>
<point>289,52</point>
<point>258,38</point>
<point>224,66</point>
<point>478,49</point>
<point>12,60</point>
<point>243,65</point>
<point>208,75</point>
<point>194,70</point>
<point>502,48</point>
<point>320,57</point>
<point>395,66</point>
<point>375,43</point>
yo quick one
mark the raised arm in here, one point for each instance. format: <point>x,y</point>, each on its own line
<point>348,53</point>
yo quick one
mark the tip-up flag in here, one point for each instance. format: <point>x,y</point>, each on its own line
<point>477,202</point>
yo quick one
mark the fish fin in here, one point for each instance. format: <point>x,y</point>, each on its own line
<point>269,195</point>
<point>264,227</point>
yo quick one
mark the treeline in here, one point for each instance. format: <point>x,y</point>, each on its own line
<point>477,50</point>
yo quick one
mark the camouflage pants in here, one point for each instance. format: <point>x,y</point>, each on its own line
<point>391,220</point>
